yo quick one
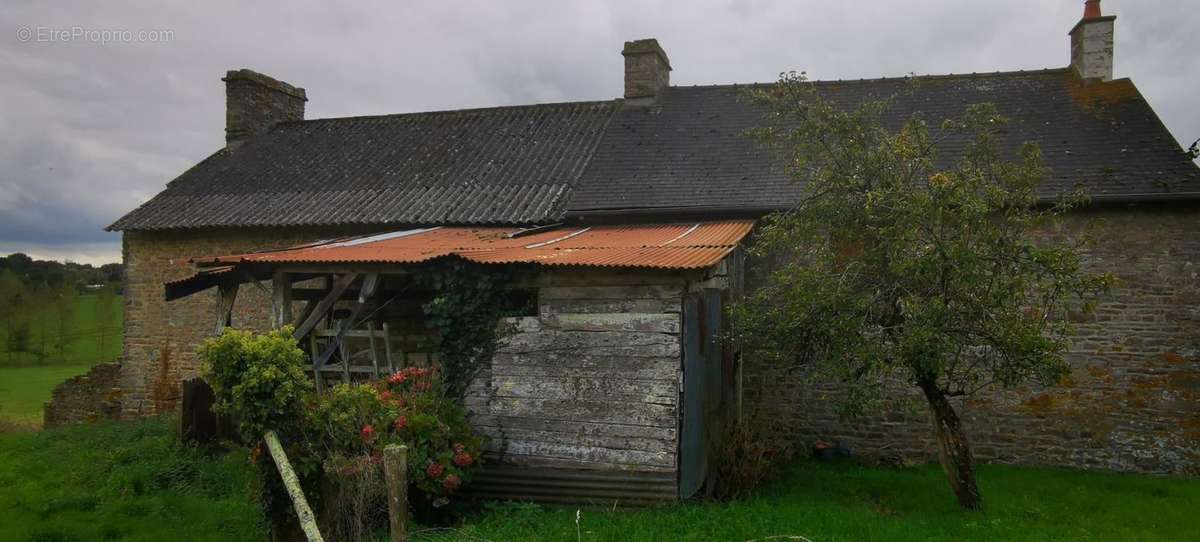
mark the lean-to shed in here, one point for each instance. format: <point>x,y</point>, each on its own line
<point>614,383</point>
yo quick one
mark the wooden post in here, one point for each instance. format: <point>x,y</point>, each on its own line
<point>395,471</point>
<point>226,294</point>
<point>371,342</point>
<point>308,522</point>
<point>281,302</point>
<point>387,348</point>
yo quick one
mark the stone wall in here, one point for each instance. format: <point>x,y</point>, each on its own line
<point>161,337</point>
<point>89,397</point>
<point>1131,402</point>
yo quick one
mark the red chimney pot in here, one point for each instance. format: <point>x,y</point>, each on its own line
<point>1091,9</point>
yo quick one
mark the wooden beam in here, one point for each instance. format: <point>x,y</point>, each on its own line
<point>226,294</point>
<point>281,299</point>
<point>319,311</point>
<point>368,289</point>
<point>371,342</point>
<point>387,347</point>
<point>317,294</point>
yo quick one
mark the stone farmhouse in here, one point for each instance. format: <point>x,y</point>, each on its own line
<point>635,211</point>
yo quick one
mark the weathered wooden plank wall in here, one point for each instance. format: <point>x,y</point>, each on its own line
<point>593,380</point>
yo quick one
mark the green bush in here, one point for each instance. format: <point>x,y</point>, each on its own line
<point>258,379</point>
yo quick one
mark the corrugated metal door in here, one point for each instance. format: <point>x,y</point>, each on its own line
<point>702,387</point>
<point>693,454</point>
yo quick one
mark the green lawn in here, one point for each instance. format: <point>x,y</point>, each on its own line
<point>123,481</point>
<point>93,335</point>
<point>23,390</point>
<point>133,481</point>
<point>821,502</point>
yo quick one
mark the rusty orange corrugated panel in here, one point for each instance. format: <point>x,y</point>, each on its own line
<point>661,246</point>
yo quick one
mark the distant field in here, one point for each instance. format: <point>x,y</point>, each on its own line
<point>93,336</point>
<point>23,390</point>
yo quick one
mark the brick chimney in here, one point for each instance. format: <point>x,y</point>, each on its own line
<point>255,102</point>
<point>1092,44</point>
<point>647,72</point>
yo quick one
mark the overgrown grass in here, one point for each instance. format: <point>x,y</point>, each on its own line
<point>23,390</point>
<point>123,481</point>
<point>92,336</point>
<point>821,502</point>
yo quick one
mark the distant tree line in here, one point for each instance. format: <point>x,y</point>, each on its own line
<point>38,300</point>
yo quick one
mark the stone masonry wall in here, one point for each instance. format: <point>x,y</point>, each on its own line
<point>1131,402</point>
<point>161,337</point>
<point>92,396</point>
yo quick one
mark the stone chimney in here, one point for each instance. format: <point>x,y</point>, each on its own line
<point>255,102</point>
<point>1092,44</point>
<point>647,72</point>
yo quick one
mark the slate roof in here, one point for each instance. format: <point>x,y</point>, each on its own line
<point>543,163</point>
<point>508,165</point>
<point>688,154</point>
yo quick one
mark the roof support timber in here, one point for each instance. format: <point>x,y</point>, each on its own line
<point>368,289</point>
<point>324,305</point>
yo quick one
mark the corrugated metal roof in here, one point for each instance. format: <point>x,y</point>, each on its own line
<point>657,246</point>
<point>495,166</point>
<point>690,152</point>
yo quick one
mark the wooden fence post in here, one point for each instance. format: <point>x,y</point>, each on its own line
<point>395,471</point>
<point>308,522</point>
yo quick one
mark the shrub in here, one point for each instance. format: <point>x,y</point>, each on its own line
<point>258,379</point>
<point>750,455</point>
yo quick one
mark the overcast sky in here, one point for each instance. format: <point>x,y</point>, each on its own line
<point>89,130</point>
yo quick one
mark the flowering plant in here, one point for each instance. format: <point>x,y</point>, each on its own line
<point>409,408</point>
<point>443,452</point>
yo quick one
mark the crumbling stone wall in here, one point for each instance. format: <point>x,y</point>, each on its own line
<point>89,397</point>
<point>160,337</point>
<point>1131,402</point>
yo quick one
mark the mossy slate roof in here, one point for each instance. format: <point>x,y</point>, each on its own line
<point>543,163</point>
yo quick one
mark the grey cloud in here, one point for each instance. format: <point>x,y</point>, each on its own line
<point>88,131</point>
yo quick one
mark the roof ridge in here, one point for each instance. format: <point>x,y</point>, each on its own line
<point>972,75</point>
<point>465,111</point>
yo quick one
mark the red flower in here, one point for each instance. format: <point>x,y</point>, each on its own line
<point>434,470</point>
<point>386,396</point>
<point>368,433</point>
<point>452,482</point>
<point>463,459</point>
<point>401,422</point>
<point>398,378</point>
<point>459,447</point>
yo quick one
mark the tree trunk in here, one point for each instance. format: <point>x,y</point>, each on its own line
<point>954,452</point>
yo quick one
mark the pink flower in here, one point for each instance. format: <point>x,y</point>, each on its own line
<point>368,433</point>
<point>463,459</point>
<point>434,470</point>
<point>401,422</point>
<point>452,482</point>
<point>386,396</point>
